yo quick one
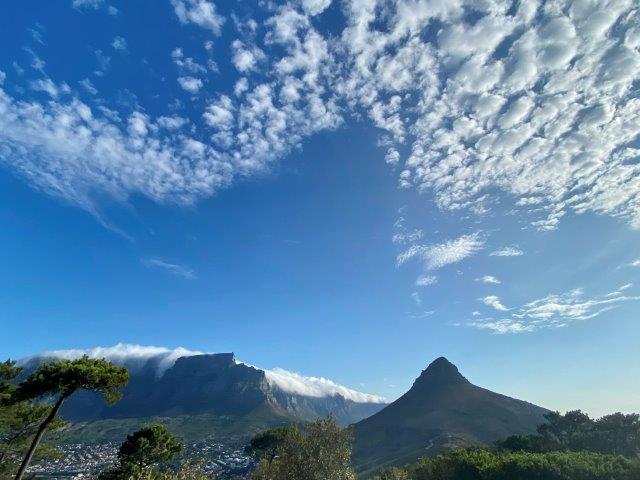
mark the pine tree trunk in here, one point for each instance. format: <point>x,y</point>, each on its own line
<point>38,437</point>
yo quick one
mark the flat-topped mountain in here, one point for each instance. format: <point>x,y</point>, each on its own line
<point>178,384</point>
<point>441,410</point>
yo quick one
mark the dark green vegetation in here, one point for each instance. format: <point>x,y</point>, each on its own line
<point>615,434</point>
<point>191,428</point>
<point>441,411</point>
<point>482,464</point>
<point>142,451</point>
<point>149,446</point>
<point>317,451</point>
<point>565,447</point>
<point>57,381</point>
<point>144,456</point>
<point>19,422</point>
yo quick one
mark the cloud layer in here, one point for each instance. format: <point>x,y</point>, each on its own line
<point>316,387</point>
<point>552,311</point>
<point>538,101</point>
<point>136,356</point>
<point>173,268</point>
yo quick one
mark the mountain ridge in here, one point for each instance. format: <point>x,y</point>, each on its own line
<point>441,410</point>
<point>214,384</point>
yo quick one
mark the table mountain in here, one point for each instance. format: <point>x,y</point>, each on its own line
<point>218,385</point>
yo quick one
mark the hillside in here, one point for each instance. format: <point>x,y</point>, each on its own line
<point>441,410</point>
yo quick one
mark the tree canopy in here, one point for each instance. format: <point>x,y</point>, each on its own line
<point>59,380</point>
<point>484,464</point>
<point>615,434</point>
<point>318,451</point>
<point>267,445</point>
<point>149,446</point>
<point>143,450</point>
<point>19,421</point>
<point>65,377</point>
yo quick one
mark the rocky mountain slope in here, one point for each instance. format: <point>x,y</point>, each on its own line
<point>441,410</point>
<point>217,385</point>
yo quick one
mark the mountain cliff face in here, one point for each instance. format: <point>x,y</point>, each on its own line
<point>441,410</point>
<point>213,384</point>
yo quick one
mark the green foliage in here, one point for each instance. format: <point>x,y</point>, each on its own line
<point>18,424</point>
<point>64,377</point>
<point>482,464</point>
<point>186,471</point>
<point>8,373</point>
<point>393,473</point>
<point>268,444</point>
<point>19,421</point>
<point>319,451</point>
<point>616,434</point>
<point>61,379</point>
<point>149,446</point>
<point>142,451</point>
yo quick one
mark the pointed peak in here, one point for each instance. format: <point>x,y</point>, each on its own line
<point>440,371</point>
<point>441,363</point>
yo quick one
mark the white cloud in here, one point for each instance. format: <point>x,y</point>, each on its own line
<point>635,263</point>
<point>245,59</point>
<point>190,84</point>
<point>494,302</point>
<point>416,298</point>
<point>316,387</point>
<point>402,238</point>
<point>119,43</point>
<point>89,86</point>
<point>173,268</point>
<point>503,326</point>
<point>567,143</point>
<point>426,280</point>
<point>3,76</point>
<point>186,64</point>
<point>315,7</point>
<point>89,4</point>
<point>507,252</point>
<point>132,356</point>
<point>172,122</point>
<point>136,356</point>
<point>422,314</point>
<point>537,102</point>
<point>439,255</point>
<point>199,12</point>
<point>552,311</point>
<point>46,85</point>
<point>489,279</point>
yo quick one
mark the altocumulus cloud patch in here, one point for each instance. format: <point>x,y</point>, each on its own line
<point>538,101</point>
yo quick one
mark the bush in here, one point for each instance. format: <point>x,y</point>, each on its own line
<point>483,464</point>
<point>319,451</point>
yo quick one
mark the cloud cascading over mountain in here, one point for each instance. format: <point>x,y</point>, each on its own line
<point>137,357</point>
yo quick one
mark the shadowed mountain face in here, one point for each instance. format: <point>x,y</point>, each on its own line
<point>212,384</point>
<point>441,410</point>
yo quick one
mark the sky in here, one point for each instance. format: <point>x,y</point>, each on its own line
<point>346,189</point>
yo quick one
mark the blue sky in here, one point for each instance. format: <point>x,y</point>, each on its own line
<point>346,189</point>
